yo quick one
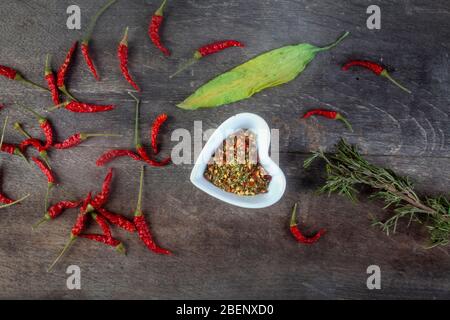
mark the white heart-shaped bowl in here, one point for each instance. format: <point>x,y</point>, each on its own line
<point>257,125</point>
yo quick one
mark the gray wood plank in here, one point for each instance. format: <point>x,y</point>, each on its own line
<point>223,251</point>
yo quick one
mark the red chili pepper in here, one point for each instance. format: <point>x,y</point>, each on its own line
<point>117,220</point>
<point>56,210</point>
<point>142,225</point>
<point>51,81</point>
<point>207,50</point>
<point>328,114</point>
<point>155,28</point>
<point>122,53</point>
<point>62,72</point>
<point>80,107</point>
<point>12,149</point>
<point>106,240</point>
<point>9,202</point>
<point>37,144</point>
<point>45,125</point>
<point>77,229</point>
<point>156,127</point>
<point>298,235</point>
<point>101,198</point>
<point>78,138</point>
<point>46,171</point>
<point>103,224</point>
<point>16,76</point>
<point>113,154</point>
<point>375,68</point>
<point>87,38</point>
<point>137,140</point>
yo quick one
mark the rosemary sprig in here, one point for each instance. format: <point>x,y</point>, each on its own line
<point>347,169</point>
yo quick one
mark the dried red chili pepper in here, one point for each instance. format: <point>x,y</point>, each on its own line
<point>9,202</point>
<point>103,224</point>
<point>45,125</point>
<point>62,72</point>
<point>101,198</point>
<point>51,81</point>
<point>298,235</point>
<point>37,144</point>
<point>375,68</point>
<point>156,127</point>
<point>154,29</point>
<point>87,38</point>
<point>113,154</point>
<point>80,107</point>
<point>51,181</point>
<point>78,138</point>
<point>77,229</point>
<point>207,50</point>
<point>110,241</point>
<point>137,140</point>
<point>328,114</point>
<point>12,149</point>
<point>122,54</point>
<point>141,224</point>
<point>16,76</point>
<point>56,210</point>
<point>117,220</point>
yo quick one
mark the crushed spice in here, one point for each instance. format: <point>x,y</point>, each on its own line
<point>235,167</point>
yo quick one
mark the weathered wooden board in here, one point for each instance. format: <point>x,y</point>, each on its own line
<point>224,251</point>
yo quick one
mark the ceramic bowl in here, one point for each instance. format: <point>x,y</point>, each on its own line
<point>257,125</point>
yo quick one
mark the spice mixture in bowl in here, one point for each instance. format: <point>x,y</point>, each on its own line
<point>235,168</point>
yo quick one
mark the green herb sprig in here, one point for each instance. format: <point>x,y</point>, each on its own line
<point>347,170</point>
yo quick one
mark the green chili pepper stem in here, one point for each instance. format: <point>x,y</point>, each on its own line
<point>20,78</point>
<point>20,154</point>
<point>345,121</point>
<point>161,8</point>
<point>186,65</point>
<point>120,248</point>
<point>64,90</point>
<point>385,74</point>
<point>63,251</point>
<point>17,126</point>
<point>294,216</point>
<point>84,136</point>
<point>48,68</point>
<point>94,19</point>
<point>335,43</point>
<point>15,202</point>
<point>47,195</point>
<point>137,140</point>
<point>124,40</point>
<point>44,219</point>
<point>3,131</point>
<point>40,117</point>
<point>138,211</point>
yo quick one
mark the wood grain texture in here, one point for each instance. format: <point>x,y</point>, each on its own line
<point>224,251</point>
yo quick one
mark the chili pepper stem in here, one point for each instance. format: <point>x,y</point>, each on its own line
<point>47,194</point>
<point>19,128</point>
<point>67,93</point>
<point>89,135</point>
<point>40,117</point>
<point>41,221</point>
<point>160,10</point>
<point>124,40</point>
<point>138,211</point>
<point>294,216</point>
<point>345,121</point>
<point>93,22</point>
<point>3,131</point>
<point>136,120</point>
<point>15,202</point>
<point>47,64</point>
<point>335,43</point>
<point>120,248</point>
<point>186,65</point>
<point>385,74</point>
<point>44,156</point>
<point>31,83</point>
<point>63,251</point>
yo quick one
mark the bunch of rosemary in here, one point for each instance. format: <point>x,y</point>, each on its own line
<point>346,169</point>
